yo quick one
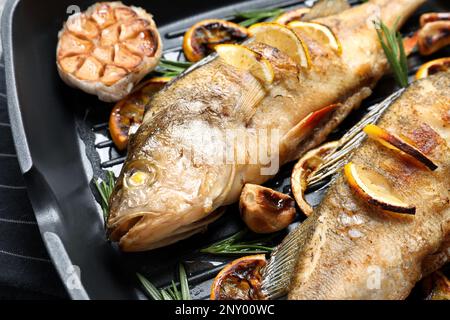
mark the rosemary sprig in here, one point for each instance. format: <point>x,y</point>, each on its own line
<point>234,245</point>
<point>392,43</point>
<point>105,189</point>
<point>252,17</point>
<point>170,293</point>
<point>169,68</point>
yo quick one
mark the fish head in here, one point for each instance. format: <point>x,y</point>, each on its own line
<point>163,196</point>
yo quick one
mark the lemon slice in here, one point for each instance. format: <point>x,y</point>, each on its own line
<point>399,144</point>
<point>375,189</point>
<point>433,66</point>
<point>317,31</point>
<point>282,38</point>
<point>246,59</point>
<point>304,169</point>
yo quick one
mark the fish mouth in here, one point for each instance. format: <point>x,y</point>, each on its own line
<point>142,231</point>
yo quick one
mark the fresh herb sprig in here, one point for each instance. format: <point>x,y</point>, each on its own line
<point>105,189</point>
<point>252,17</point>
<point>392,43</point>
<point>170,293</point>
<point>235,246</point>
<point>169,68</point>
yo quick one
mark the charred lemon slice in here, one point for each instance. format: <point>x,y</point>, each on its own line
<point>108,49</point>
<point>240,280</point>
<point>303,169</point>
<point>201,38</point>
<point>375,189</point>
<point>246,59</point>
<point>130,111</point>
<point>282,38</point>
<point>317,31</point>
<point>292,15</point>
<point>432,67</point>
<point>399,144</point>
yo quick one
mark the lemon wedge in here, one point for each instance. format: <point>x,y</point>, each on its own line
<point>317,31</point>
<point>246,59</point>
<point>375,189</point>
<point>284,39</point>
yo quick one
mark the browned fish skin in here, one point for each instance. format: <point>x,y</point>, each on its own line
<point>178,196</point>
<point>347,246</point>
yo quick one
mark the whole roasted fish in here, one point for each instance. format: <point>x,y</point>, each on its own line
<point>349,248</point>
<point>179,170</point>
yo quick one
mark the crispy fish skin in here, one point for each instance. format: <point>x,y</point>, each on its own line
<point>179,195</point>
<point>352,250</point>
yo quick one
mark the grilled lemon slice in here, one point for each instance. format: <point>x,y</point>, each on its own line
<point>398,144</point>
<point>201,38</point>
<point>130,110</point>
<point>375,189</point>
<point>284,39</point>
<point>317,31</point>
<point>432,67</point>
<point>240,280</point>
<point>246,59</point>
<point>303,169</point>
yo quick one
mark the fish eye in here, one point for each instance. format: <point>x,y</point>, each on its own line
<point>139,173</point>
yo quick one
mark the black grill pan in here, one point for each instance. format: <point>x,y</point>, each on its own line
<point>62,144</point>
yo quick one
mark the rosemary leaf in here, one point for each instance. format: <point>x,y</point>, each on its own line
<point>252,17</point>
<point>105,189</point>
<point>403,59</point>
<point>392,43</point>
<point>234,245</point>
<point>185,294</point>
<point>152,291</point>
<point>169,293</point>
<point>166,296</point>
<point>168,68</point>
<point>177,63</point>
<point>176,292</point>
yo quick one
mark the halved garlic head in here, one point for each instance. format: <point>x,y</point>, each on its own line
<point>375,189</point>
<point>108,49</point>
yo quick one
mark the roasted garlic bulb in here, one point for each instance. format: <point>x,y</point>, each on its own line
<point>108,49</point>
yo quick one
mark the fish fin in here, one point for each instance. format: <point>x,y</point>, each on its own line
<point>293,138</point>
<point>247,104</point>
<point>319,136</point>
<point>277,274</point>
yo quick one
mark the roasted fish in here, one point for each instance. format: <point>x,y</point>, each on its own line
<point>177,173</point>
<point>350,248</point>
